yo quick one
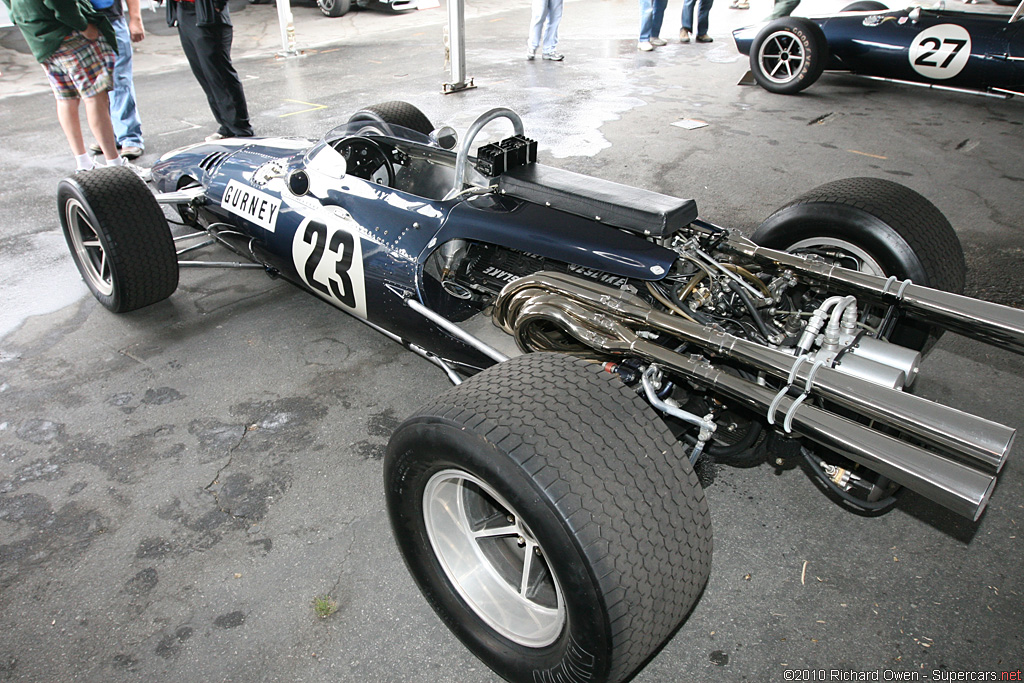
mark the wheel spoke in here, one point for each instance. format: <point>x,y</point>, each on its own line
<point>511,530</point>
<point>530,549</point>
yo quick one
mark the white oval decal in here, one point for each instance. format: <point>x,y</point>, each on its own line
<point>328,256</point>
<point>941,51</point>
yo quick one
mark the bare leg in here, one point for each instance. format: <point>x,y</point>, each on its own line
<point>67,114</point>
<point>97,110</point>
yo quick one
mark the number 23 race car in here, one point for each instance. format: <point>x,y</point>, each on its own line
<point>977,49</point>
<point>602,340</point>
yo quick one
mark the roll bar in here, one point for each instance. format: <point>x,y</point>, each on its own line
<point>467,142</point>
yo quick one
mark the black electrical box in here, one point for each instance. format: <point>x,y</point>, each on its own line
<point>496,158</point>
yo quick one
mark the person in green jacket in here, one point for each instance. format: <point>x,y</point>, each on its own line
<point>73,42</point>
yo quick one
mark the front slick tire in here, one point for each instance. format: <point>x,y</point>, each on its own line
<point>554,526</point>
<point>788,55</point>
<point>334,8</point>
<point>118,237</point>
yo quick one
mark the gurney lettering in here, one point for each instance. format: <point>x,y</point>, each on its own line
<point>251,204</point>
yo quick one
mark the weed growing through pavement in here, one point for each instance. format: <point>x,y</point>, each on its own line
<point>324,606</point>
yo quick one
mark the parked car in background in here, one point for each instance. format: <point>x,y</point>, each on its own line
<point>337,8</point>
<point>970,48</point>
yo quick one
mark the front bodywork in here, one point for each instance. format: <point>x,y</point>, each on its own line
<point>390,5</point>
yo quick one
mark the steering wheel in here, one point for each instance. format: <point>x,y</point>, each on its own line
<point>365,159</point>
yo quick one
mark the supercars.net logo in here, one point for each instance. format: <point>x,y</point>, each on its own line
<point>818,675</point>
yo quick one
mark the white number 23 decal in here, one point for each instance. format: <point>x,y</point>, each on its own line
<point>327,254</point>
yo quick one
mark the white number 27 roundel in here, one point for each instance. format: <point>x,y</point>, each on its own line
<point>328,256</point>
<point>940,51</point>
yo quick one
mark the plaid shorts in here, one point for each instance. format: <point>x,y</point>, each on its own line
<point>80,68</point>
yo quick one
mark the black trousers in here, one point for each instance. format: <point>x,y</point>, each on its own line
<point>208,49</point>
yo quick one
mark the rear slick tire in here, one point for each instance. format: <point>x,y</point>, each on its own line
<point>396,113</point>
<point>865,6</point>
<point>555,528</point>
<point>875,226</point>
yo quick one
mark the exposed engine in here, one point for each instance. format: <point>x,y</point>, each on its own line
<point>777,310</point>
<point>475,271</point>
<point>735,337</point>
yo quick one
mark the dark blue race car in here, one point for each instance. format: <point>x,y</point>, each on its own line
<point>603,340</point>
<point>978,49</point>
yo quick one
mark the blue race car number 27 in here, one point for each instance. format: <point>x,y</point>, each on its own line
<point>941,51</point>
<point>327,254</point>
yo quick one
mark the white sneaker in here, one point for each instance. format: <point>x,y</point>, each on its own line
<point>658,42</point>
<point>213,137</point>
<point>145,175</point>
<point>644,46</point>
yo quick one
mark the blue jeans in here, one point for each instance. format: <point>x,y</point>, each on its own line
<point>652,12</point>
<point>544,25</point>
<point>123,113</point>
<point>702,15</point>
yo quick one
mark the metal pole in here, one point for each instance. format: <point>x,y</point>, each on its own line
<point>457,47</point>
<point>285,22</point>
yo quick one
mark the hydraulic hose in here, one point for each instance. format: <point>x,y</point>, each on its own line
<point>752,309</point>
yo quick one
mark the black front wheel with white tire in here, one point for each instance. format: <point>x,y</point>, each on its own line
<point>788,55</point>
<point>554,526</point>
<point>118,237</point>
<point>334,8</point>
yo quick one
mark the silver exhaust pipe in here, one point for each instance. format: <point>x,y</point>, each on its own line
<point>962,478</point>
<point>976,441</point>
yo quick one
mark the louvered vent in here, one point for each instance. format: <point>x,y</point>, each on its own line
<point>213,161</point>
